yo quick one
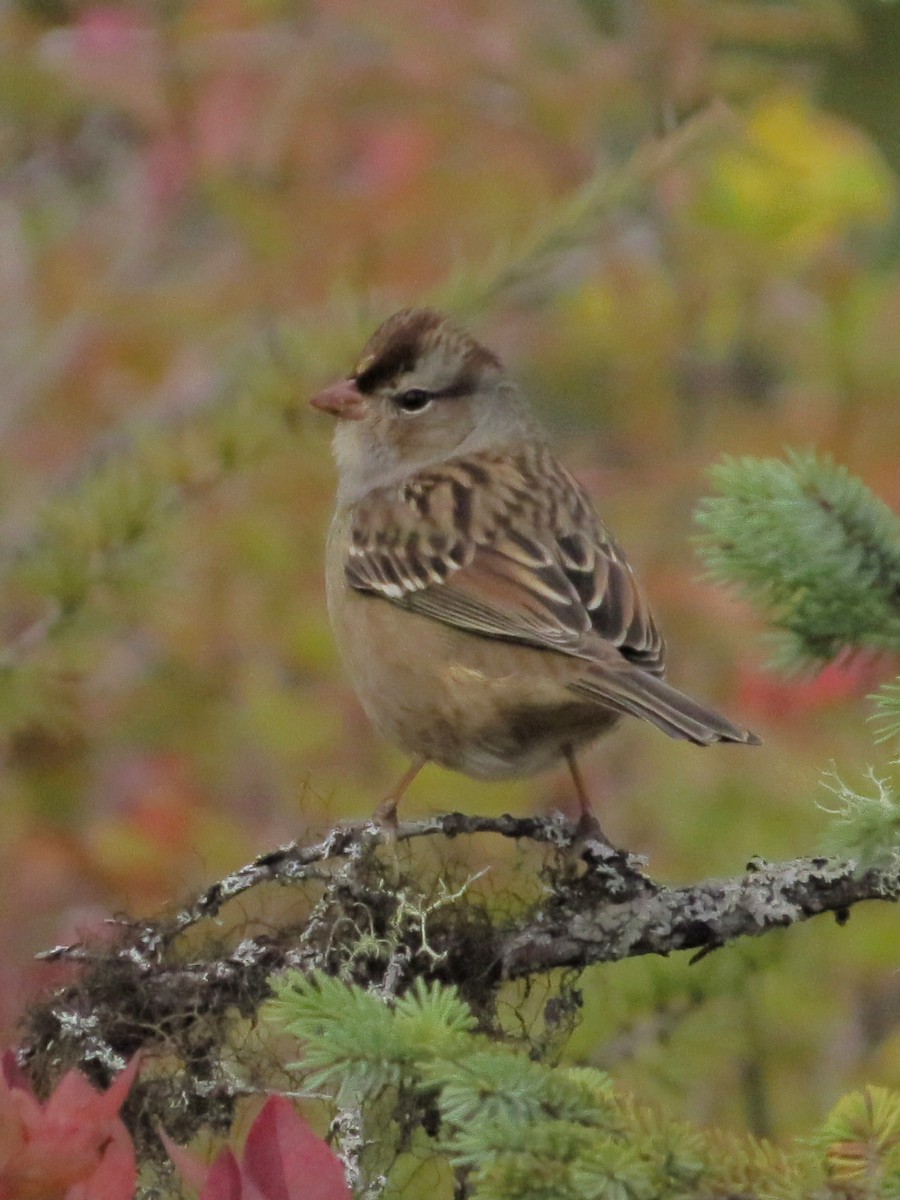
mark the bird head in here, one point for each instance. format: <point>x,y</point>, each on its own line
<point>423,390</point>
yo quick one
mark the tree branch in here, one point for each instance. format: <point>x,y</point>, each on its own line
<point>609,911</point>
<point>174,987</point>
<point>585,928</point>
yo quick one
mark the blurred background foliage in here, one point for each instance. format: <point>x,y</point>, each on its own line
<point>677,220</point>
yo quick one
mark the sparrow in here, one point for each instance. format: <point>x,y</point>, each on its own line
<point>488,619</point>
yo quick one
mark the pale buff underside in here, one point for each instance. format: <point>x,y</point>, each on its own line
<point>488,708</point>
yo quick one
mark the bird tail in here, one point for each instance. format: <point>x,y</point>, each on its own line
<point>636,692</point>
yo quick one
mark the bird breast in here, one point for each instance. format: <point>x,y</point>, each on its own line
<point>490,708</point>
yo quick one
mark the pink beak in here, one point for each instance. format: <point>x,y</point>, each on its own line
<point>343,400</point>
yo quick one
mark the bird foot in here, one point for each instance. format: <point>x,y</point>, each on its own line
<point>589,829</point>
<point>385,815</point>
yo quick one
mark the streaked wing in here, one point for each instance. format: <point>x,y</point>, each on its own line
<point>524,558</point>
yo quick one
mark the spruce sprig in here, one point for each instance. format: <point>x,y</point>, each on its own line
<point>886,717</point>
<point>520,1129</point>
<point>811,545</point>
<point>354,1038</point>
<point>861,1143</point>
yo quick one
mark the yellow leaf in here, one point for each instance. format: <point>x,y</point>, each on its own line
<point>800,178</point>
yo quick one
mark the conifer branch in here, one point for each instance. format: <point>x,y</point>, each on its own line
<point>812,546</point>
<point>886,717</point>
<point>95,543</point>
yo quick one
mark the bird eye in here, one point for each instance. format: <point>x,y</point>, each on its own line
<point>413,400</point>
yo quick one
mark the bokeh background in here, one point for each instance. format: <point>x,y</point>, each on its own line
<point>676,220</point>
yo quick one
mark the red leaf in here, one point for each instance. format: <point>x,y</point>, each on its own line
<point>13,1074</point>
<point>75,1098</point>
<point>194,1172</point>
<point>74,1146</point>
<point>115,1177</point>
<point>224,1181</point>
<point>221,1181</point>
<point>285,1160</point>
<point>774,697</point>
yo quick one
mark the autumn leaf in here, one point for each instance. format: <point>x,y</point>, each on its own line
<point>283,1160</point>
<point>801,177</point>
<point>74,1146</point>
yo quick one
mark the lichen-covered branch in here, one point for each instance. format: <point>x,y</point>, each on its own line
<point>587,927</point>
<point>178,988</point>
<point>611,910</point>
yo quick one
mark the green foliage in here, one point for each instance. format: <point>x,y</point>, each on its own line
<point>812,546</point>
<point>96,544</point>
<point>521,1130</point>
<point>887,712</point>
<point>574,224</point>
<point>354,1038</point>
<point>861,1142</point>
<point>89,538</point>
<point>865,826</point>
<point>821,554</point>
<point>500,1087</point>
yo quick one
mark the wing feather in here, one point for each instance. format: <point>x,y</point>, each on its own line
<point>628,690</point>
<point>507,546</point>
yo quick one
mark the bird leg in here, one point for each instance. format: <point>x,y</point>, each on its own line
<point>588,825</point>
<point>386,812</point>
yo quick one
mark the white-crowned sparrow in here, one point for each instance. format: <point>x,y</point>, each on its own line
<point>488,619</point>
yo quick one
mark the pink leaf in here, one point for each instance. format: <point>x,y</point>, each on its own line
<point>114,1178</point>
<point>221,1181</point>
<point>75,1098</point>
<point>12,1073</point>
<point>189,1167</point>
<point>224,1181</point>
<point>73,1147</point>
<point>285,1160</point>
